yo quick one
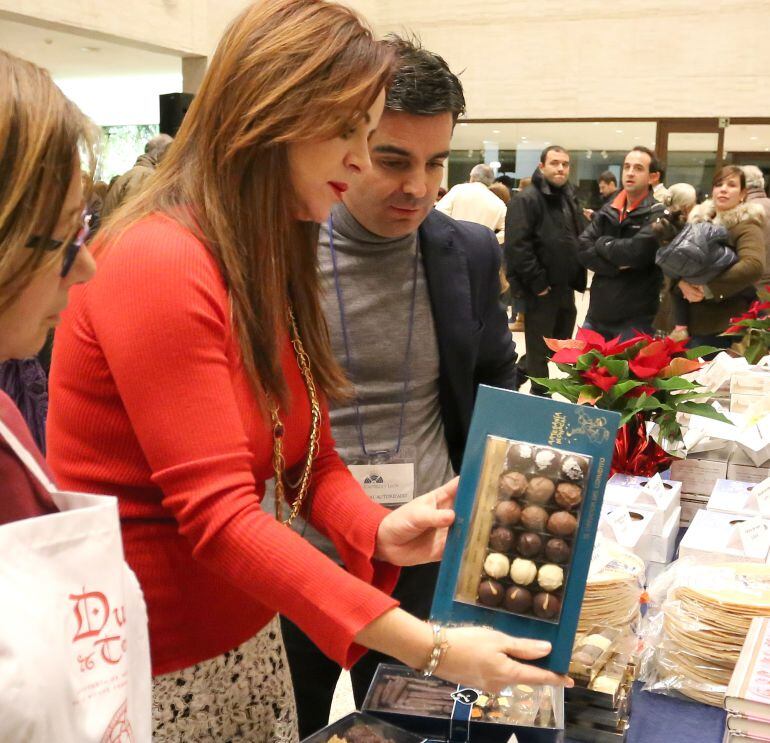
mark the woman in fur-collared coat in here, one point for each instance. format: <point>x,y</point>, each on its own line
<point>730,294</point>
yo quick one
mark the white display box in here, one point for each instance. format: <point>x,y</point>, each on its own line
<point>716,536</point>
<point>751,381</point>
<point>628,491</point>
<point>699,472</point>
<point>654,569</point>
<point>740,467</point>
<point>634,534</point>
<point>690,505</point>
<point>732,496</point>
<point>663,545</point>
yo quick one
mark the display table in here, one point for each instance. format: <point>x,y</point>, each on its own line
<point>656,718</point>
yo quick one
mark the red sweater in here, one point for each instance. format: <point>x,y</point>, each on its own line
<point>148,401</point>
<point>22,496</point>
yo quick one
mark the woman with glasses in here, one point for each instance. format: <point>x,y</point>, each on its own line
<point>196,367</point>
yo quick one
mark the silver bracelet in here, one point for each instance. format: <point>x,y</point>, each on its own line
<point>440,646</point>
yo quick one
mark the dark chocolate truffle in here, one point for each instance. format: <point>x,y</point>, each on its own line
<point>512,484</point>
<point>557,550</point>
<point>491,593</point>
<point>569,495</point>
<point>574,468</point>
<point>518,599</point>
<point>520,456</point>
<point>501,539</point>
<point>540,490</point>
<point>530,544</point>
<point>561,523</point>
<point>547,462</point>
<point>535,518</point>
<point>508,512</point>
<point>546,606</point>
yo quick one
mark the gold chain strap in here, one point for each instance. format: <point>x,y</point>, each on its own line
<point>303,484</point>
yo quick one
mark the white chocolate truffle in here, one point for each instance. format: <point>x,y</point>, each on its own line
<point>544,459</point>
<point>550,577</point>
<point>572,468</point>
<point>523,572</point>
<point>496,565</point>
<point>599,641</point>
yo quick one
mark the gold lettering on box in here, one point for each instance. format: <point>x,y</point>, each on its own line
<point>558,428</point>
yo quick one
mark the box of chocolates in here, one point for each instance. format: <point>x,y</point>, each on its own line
<point>358,727</point>
<point>444,711</point>
<point>527,510</point>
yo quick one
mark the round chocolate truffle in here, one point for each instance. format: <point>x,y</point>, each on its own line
<point>534,518</point>
<point>568,495</point>
<point>546,606</point>
<point>550,577</point>
<point>508,512</point>
<point>518,599</point>
<point>491,593</point>
<point>519,456</point>
<point>561,523</point>
<point>529,544</point>
<point>540,490</point>
<point>557,550</point>
<point>547,461</point>
<point>523,572</point>
<point>501,539</point>
<point>574,468</point>
<point>496,565</point>
<point>512,484</point>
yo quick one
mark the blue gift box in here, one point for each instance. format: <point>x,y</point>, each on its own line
<point>565,443</point>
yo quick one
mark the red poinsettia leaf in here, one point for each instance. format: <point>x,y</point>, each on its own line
<point>645,369</point>
<point>556,344</point>
<point>590,336</point>
<point>642,389</point>
<point>680,366</point>
<point>567,356</point>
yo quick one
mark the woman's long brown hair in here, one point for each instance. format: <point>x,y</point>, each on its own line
<point>41,132</point>
<point>285,71</point>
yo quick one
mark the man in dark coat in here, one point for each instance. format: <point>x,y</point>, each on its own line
<point>619,246</point>
<point>412,306</point>
<point>541,233</point>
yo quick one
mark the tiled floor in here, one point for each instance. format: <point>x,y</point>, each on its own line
<point>343,696</point>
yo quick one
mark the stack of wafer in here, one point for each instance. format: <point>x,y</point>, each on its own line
<point>705,620</point>
<point>613,589</point>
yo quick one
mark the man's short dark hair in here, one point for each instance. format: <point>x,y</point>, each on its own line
<point>551,148</point>
<point>422,84</point>
<point>608,177</point>
<point>655,166</point>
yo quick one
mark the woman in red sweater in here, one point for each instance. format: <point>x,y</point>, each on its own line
<point>195,367</point>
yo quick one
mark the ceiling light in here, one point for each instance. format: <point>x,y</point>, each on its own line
<point>618,131</point>
<point>90,49</point>
<point>463,124</point>
<point>495,165</point>
<point>523,137</point>
<point>753,137</point>
<point>497,131</point>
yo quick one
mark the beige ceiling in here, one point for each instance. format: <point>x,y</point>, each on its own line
<point>69,55</point>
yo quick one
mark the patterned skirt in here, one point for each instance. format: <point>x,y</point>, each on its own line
<point>244,694</point>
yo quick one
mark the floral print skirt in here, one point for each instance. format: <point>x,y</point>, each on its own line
<point>244,694</point>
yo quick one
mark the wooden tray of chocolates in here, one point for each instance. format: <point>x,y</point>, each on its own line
<point>526,517</point>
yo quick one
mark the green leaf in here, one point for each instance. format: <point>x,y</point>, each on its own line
<point>626,417</point>
<point>756,350</point>
<point>674,383</point>
<point>696,353</point>
<point>621,388</point>
<point>617,367</point>
<point>703,409</point>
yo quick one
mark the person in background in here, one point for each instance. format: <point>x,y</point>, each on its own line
<point>440,194</point>
<point>197,366</point>
<point>729,294</point>
<point>501,191</point>
<point>473,201</point>
<point>620,249</point>
<point>608,185</point>
<point>420,282</point>
<point>756,194</point>
<point>132,182</point>
<point>659,190</point>
<point>96,194</point>
<point>542,229</point>
<point>515,291</point>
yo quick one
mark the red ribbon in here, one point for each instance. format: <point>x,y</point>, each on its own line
<point>636,453</point>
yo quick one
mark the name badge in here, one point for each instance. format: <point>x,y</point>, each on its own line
<point>390,484</point>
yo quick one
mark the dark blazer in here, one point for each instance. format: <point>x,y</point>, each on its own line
<point>462,265</point>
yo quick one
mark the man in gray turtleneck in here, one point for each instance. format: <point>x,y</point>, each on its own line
<point>411,298</point>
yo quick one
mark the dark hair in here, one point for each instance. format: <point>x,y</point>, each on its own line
<point>725,172</point>
<point>608,177</point>
<point>551,148</point>
<point>422,84</point>
<point>655,166</point>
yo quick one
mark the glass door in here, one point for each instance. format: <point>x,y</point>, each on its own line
<point>691,151</point>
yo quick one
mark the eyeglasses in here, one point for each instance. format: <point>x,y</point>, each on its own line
<point>71,248</point>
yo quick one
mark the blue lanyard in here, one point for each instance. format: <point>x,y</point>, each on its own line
<point>348,356</point>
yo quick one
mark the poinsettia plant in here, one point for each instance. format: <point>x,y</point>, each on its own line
<point>754,327</point>
<point>640,377</point>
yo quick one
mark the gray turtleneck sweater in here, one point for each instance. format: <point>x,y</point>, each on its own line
<point>375,277</point>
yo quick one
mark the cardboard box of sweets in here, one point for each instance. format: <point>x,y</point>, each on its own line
<point>444,711</point>
<point>630,528</point>
<point>700,471</point>
<point>732,496</point>
<point>742,468</point>
<point>714,535</point>
<point>640,492</point>
<point>362,728</point>
<point>527,510</point>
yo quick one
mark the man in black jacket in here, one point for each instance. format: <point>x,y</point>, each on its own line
<point>541,233</point>
<point>619,246</point>
<point>413,312</point>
